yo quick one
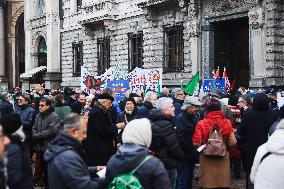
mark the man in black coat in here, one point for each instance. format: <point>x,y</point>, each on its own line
<point>185,124</point>
<point>150,100</point>
<point>101,133</point>
<point>5,106</point>
<point>79,104</point>
<point>254,128</point>
<point>165,144</point>
<point>66,169</point>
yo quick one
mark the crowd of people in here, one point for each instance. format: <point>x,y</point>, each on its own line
<point>74,140</point>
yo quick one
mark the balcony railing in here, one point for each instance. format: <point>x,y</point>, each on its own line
<point>94,11</point>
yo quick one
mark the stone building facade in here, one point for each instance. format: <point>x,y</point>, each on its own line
<point>182,36</point>
<point>12,40</point>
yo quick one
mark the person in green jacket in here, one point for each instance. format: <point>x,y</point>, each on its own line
<point>61,109</point>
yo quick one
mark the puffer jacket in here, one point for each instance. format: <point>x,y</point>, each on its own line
<point>46,127</point>
<point>66,169</point>
<point>269,172</point>
<point>165,144</point>
<point>152,174</point>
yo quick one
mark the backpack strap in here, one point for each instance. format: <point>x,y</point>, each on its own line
<point>264,156</point>
<point>140,164</point>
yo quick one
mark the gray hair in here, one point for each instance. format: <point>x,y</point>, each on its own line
<point>149,95</point>
<point>246,98</point>
<point>100,101</point>
<point>185,106</point>
<point>175,91</point>
<point>163,102</point>
<point>71,121</point>
<point>4,95</point>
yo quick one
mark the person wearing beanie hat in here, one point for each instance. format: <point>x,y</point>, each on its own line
<point>18,167</point>
<point>129,114</point>
<point>136,139</point>
<point>211,169</point>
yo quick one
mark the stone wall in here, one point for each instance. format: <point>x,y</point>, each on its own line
<point>130,20</point>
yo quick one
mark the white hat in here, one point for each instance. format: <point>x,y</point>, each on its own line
<point>138,131</point>
<point>190,100</point>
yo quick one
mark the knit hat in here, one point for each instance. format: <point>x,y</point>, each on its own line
<point>139,132</point>
<point>212,105</point>
<point>11,123</point>
<point>26,97</point>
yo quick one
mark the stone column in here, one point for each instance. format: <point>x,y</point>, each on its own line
<point>53,44</point>
<point>194,31</point>
<point>2,42</point>
<point>28,35</point>
<point>257,51</point>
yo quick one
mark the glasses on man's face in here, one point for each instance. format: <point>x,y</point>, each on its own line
<point>180,94</point>
<point>241,101</point>
<point>41,105</point>
<point>20,99</point>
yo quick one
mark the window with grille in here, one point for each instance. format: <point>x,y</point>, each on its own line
<point>77,49</point>
<point>135,51</point>
<point>173,48</point>
<point>79,4</point>
<point>103,54</point>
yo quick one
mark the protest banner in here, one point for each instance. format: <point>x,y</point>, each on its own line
<point>119,88</point>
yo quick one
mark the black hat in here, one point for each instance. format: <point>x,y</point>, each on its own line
<point>212,105</point>
<point>132,100</point>
<point>105,96</point>
<point>11,123</point>
<point>26,97</point>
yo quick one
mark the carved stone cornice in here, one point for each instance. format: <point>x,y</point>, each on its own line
<point>256,17</point>
<point>38,22</point>
<point>52,18</point>
<point>99,11</point>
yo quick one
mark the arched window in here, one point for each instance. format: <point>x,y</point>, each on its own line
<point>42,50</point>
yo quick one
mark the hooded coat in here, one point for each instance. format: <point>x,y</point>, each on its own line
<point>152,174</point>
<point>100,139</point>
<point>165,143</point>
<point>66,169</point>
<point>269,173</point>
<point>19,169</point>
<point>255,126</point>
<point>214,172</point>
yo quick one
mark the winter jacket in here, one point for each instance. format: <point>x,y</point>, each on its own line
<point>116,107</point>
<point>5,108</point>
<point>46,127</point>
<point>76,107</point>
<point>214,172</point>
<point>177,104</point>
<point>144,110</point>
<point>165,144</point>
<point>255,126</point>
<point>27,118</point>
<point>66,169</point>
<point>101,134</point>
<point>269,173</point>
<point>152,174</point>
<point>19,169</point>
<point>126,118</point>
<point>62,111</point>
<point>185,124</point>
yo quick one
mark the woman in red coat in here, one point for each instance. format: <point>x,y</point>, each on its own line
<point>214,172</point>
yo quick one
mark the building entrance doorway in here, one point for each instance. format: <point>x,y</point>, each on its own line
<point>231,49</point>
